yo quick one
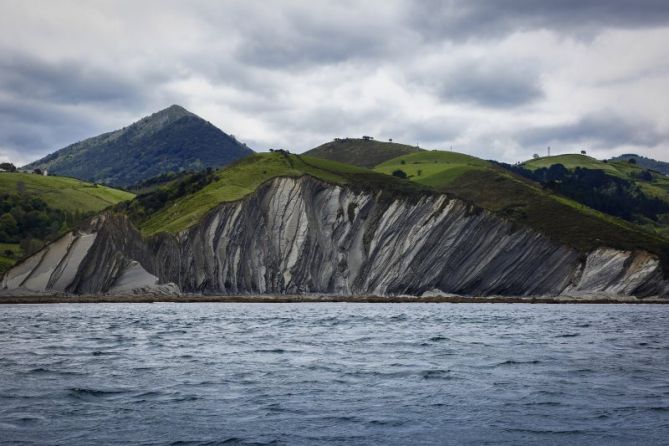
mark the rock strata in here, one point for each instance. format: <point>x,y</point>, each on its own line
<point>300,235</point>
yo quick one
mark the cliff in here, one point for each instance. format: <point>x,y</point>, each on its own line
<point>300,235</point>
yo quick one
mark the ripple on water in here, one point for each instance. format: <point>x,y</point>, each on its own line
<point>334,374</point>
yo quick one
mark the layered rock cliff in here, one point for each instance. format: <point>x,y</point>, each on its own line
<point>299,235</point>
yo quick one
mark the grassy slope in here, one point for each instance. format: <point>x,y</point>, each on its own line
<point>63,193</point>
<point>524,202</point>
<point>242,178</point>
<point>658,187</point>
<point>433,168</point>
<point>67,194</point>
<point>361,153</point>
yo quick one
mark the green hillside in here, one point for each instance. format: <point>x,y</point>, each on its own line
<point>171,140</point>
<point>67,194</point>
<point>361,152</point>
<point>242,178</point>
<point>433,168</point>
<point>525,202</point>
<point>634,186</point>
<point>657,184</point>
<point>570,161</point>
<point>35,209</point>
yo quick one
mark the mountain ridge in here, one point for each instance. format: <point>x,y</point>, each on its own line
<point>170,140</point>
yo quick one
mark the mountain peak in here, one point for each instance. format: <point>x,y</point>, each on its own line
<point>170,140</point>
<point>175,110</point>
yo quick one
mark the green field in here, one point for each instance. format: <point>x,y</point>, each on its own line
<point>361,153</point>
<point>571,161</point>
<point>63,193</point>
<point>434,168</point>
<point>244,177</point>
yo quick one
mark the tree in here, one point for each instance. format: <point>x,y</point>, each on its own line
<point>37,171</point>
<point>9,167</point>
<point>631,161</point>
<point>583,152</point>
<point>399,174</point>
<point>8,224</point>
<point>535,156</point>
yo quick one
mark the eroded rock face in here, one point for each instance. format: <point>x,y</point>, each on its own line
<point>304,236</point>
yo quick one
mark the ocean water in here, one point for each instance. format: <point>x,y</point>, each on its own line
<point>335,374</point>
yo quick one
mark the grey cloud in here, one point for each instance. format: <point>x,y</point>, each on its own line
<point>487,85</point>
<point>602,131</point>
<point>28,130</point>
<point>300,35</point>
<point>459,19</point>
<point>66,81</point>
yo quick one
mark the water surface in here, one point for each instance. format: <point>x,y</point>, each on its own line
<point>339,373</point>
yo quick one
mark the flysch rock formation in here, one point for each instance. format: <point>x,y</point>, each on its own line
<point>300,235</point>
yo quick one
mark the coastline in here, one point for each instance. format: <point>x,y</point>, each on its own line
<point>64,299</point>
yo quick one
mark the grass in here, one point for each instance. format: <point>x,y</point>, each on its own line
<point>63,193</point>
<point>572,161</point>
<point>244,177</point>
<point>361,153</point>
<point>434,168</point>
<point>7,261</point>
<point>658,187</point>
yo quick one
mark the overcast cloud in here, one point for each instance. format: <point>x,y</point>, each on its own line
<point>497,79</point>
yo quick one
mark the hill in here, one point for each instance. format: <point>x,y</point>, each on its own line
<point>620,188</point>
<point>360,152</point>
<point>36,208</point>
<point>379,235</point>
<point>181,203</point>
<point>170,140</point>
<point>646,163</point>
<point>495,188</point>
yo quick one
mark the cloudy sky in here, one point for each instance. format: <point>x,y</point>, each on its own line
<point>498,79</point>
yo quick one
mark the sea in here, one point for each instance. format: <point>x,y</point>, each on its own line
<point>334,374</point>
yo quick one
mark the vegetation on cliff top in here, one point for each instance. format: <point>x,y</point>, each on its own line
<point>35,209</point>
<point>177,211</point>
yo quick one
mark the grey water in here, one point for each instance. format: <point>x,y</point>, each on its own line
<point>335,374</point>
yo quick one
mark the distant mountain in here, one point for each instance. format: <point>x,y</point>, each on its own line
<point>646,163</point>
<point>171,140</point>
<point>361,152</point>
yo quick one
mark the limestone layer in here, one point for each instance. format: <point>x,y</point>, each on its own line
<point>299,235</point>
